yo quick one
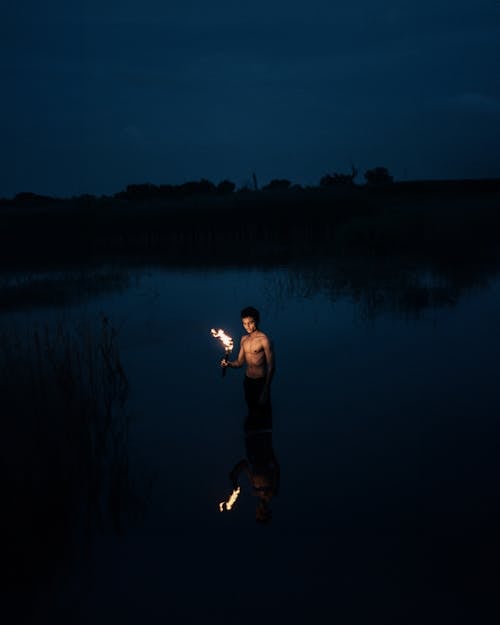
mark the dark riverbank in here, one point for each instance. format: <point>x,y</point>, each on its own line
<point>424,219</point>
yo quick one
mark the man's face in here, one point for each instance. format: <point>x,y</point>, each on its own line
<point>249,324</point>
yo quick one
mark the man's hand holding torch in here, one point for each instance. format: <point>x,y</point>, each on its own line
<point>228,343</point>
<point>225,363</point>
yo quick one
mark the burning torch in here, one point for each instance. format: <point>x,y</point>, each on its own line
<point>226,341</point>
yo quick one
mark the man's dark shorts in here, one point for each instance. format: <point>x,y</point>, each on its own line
<point>259,415</point>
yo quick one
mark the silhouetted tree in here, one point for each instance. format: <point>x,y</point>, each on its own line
<point>167,190</point>
<point>277,184</point>
<point>206,186</point>
<point>378,176</point>
<point>85,199</point>
<point>225,186</point>
<point>200,187</point>
<point>26,197</point>
<point>330,180</point>
<point>141,191</point>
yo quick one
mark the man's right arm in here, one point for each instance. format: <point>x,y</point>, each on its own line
<point>240,361</point>
<point>242,465</point>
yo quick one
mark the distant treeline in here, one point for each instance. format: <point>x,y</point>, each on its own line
<point>204,222</point>
<point>206,187</point>
<point>376,178</point>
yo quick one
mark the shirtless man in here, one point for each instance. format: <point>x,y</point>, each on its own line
<point>257,353</point>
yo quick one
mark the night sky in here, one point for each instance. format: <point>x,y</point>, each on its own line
<point>100,94</point>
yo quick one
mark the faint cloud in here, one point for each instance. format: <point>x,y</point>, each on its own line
<point>476,103</point>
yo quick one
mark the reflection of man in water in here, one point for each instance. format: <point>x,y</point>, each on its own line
<point>256,352</point>
<point>262,469</point>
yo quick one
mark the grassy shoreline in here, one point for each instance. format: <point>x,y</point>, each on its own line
<point>433,219</point>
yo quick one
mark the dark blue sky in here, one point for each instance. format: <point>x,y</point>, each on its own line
<point>98,94</point>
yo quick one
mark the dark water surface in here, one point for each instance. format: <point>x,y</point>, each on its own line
<point>385,428</point>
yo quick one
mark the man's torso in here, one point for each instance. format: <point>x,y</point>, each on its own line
<point>255,357</point>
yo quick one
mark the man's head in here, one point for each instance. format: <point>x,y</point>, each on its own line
<point>250,318</point>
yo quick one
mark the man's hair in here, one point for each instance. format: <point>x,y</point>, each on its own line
<point>250,311</point>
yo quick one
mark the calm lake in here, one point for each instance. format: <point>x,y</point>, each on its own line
<point>385,431</point>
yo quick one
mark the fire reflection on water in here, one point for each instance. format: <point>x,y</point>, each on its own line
<point>227,505</point>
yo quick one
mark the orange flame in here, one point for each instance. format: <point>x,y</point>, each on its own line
<point>226,340</point>
<point>231,501</point>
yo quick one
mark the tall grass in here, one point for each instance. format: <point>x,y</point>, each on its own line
<point>53,286</point>
<point>64,442</point>
<point>435,219</point>
<point>381,286</point>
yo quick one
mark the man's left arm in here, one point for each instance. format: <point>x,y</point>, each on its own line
<point>269,353</point>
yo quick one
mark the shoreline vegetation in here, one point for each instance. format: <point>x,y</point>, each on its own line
<point>399,246</point>
<point>65,451</point>
<point>202,223</point>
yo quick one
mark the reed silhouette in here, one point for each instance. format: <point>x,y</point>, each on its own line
<point>65,469</point>
<point>374,241</point>
<point>200,220</point>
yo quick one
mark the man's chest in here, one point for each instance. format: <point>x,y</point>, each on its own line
<point>253,346</point>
